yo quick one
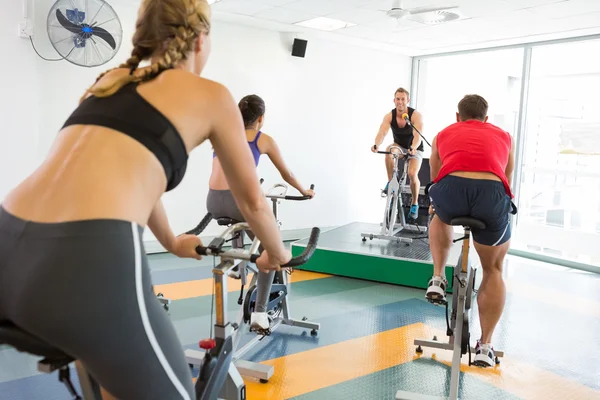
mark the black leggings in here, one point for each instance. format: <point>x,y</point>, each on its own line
<point>84,287</point>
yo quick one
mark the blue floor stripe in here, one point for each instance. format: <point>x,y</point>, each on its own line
<point>43,387</point>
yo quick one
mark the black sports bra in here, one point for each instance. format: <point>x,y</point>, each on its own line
<point>129,113</point>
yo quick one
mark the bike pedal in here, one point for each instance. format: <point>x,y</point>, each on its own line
<point>262,332</point>
<point>440,302</point>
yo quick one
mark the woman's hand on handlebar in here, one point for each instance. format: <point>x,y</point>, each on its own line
<point>309,192</point>
<point>185,246</point>
<point>267,264</point>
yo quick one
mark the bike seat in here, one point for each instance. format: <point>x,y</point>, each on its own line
<point>468,221</point>
<point>224,221</point>
<point>25,342</point>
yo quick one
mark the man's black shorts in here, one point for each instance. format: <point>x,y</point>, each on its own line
<point>481,199</point>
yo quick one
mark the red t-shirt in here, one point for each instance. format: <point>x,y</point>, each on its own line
<point>474,146</point>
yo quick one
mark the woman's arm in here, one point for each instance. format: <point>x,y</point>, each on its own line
<point>270,148</point>
<point>159,225</point>
<point>182,245</point>
<point>229,141</point>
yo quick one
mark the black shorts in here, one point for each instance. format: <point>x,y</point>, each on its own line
<point>84,287</point>
<point>481,199</point>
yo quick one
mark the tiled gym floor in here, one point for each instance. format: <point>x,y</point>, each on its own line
<point>550,332</point>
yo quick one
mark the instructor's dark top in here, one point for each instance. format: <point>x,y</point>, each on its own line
<point>404,136</point>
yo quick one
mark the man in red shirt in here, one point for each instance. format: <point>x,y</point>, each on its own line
<point>471,166</point>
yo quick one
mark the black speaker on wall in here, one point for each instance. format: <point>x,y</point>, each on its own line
<point>299,48</point>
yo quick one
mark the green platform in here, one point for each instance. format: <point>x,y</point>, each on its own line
<point>342,252</point>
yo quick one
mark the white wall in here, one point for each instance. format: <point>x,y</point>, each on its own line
<point>323,110</point>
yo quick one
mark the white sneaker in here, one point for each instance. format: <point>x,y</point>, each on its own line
<point>259,321</point>
<point>484,355</point>
<point>436,291</point>
<point>234,272</point>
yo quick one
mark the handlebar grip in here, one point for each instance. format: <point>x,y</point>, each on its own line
<point>514,208</point>
<point>261,181</point>
<point>312,187</point>
<point>308,251</point>
<point>306,254</point>
<point>201,250</point>
<point>201,226</point>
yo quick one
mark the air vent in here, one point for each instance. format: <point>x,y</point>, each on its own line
<point>437,17</point>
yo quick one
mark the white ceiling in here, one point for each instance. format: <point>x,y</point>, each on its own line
<point>485,23</point>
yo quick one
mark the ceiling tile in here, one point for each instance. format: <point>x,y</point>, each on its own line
<point>519,17</point>
<point>583,21</point>
<point>567,9</point>
<point>245,7</point>
<point>359,16</point>
<point>480,8</point>
<point>320,7</point>
<point>393,23</point>
<point>284,15</point>
<point>378,5</point>
<point>521,4</point>
<point>271,2</point>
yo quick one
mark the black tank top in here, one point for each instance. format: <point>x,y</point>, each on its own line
<point>129,113</point>
<point>404,136</point>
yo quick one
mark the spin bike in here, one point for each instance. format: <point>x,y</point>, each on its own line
<point>278,308</point>
<point>393,204</point>
<point>463,293</point>
<point>217,371</point>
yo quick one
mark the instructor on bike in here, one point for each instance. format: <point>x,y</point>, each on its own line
<point>398,120</point>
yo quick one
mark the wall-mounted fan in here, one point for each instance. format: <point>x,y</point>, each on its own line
<point>87,33</point>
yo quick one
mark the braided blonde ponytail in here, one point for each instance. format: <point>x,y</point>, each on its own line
<point>167,30</point>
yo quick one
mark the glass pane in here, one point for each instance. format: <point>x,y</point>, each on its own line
<point>443,81</point>
<point>559,208</point>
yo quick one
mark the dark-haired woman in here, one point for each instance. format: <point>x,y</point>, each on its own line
<point>221,204</point>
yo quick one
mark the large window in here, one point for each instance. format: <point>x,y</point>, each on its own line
<point>556,124</point>
<point>560,184</point>
<point>443,81</point>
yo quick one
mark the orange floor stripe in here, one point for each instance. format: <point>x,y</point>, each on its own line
<point>525,381</point>
<point>203,287</point>
<point>316,369</point>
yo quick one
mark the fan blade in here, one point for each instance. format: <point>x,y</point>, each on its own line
<point>68,25</point>
<point>423,10</point>
<point>104,35</point>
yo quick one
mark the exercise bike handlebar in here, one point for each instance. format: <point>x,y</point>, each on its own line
<point>401,151</point>
<point>240,254</point>
<point>286,197</point>
<point>201,226</point>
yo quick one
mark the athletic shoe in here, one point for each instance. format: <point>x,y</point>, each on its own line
<point>484,355</point>
<point>414,211</point>
<point>436,291</point>
<point>385,189</point>
<point>234,272</point>
<point>259,321</point>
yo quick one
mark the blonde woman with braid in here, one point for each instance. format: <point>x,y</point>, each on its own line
<point>72,230</point>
